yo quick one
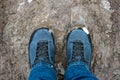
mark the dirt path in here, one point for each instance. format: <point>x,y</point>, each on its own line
<point>19,18</point>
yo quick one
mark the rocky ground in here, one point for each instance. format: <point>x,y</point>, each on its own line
<point>19,18</point>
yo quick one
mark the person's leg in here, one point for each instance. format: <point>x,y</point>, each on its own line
<point>79,71</point>
<point>79,53</point>
<point>41,55</point>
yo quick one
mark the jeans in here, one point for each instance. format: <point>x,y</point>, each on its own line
<point>75,71</point>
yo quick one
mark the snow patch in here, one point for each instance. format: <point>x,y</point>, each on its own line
<point>22,3</point>
<point>85,30</point>
<point>47,16</point>
<point>29,1</point>
<point>50,31</point>
<point>105,4</point>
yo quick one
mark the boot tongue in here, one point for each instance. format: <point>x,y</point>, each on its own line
<point>78,51</point>
<point>78,58</point>
<point>42,52</point>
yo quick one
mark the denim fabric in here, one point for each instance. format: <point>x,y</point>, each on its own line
<point>75,71</point>
<point>79,71</point>
<point>42,71</point>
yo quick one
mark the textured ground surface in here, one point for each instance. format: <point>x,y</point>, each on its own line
<point>19,18</point>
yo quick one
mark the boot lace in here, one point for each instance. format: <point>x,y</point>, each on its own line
<point>42,52</point>
<point>78,51</point>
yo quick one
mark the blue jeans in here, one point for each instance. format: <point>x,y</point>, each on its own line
<point>75,71</point>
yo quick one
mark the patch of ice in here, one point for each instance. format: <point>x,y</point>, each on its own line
<point>105,4</point>
<point>22,3</point>
<point>20,6</point>
<point>81,20</point>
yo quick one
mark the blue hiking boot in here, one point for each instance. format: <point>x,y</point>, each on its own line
<point>79,47</point>
<point>41,47</point>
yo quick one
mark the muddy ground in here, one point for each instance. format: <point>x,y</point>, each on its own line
<point>19,18</point>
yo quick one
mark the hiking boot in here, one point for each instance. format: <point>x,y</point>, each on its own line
<point>41,47</point>
<point>79,47</point>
